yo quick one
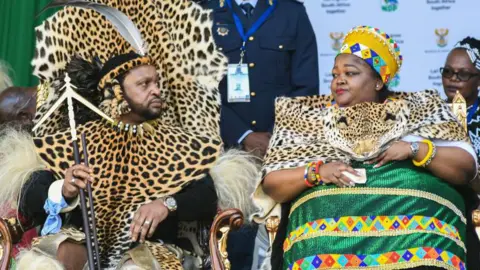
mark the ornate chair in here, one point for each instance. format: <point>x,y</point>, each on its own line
<point>10,233</point>
<point>226,221</point>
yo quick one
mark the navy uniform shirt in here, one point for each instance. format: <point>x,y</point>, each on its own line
<point>282,58</point>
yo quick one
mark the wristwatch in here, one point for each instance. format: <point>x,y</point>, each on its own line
<point>415,147</point>
<point>170,203</point>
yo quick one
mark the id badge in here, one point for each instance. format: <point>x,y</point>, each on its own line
<point>238,83</point>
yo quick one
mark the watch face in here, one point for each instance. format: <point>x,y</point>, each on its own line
<point>171,203</point>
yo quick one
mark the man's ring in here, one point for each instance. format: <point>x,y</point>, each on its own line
<point>147,222</point>
<point>73,180</point>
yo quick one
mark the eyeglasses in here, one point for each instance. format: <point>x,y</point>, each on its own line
<point>461,75</point>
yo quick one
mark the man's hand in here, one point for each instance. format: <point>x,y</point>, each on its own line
<point>146,219</point>
<point>257,143</point>
<point>76,178</point>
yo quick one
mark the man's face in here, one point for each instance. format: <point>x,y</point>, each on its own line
<point>141,91</point>
<point>18,104</point>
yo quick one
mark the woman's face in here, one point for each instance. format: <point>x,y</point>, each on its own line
<point>467,77</point>
<point>354,81</point>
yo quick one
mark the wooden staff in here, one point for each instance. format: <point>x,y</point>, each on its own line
<point>90,201</point>
<point>69,94</point>
<point>83,201</point>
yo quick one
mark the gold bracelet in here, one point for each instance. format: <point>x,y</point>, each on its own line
<point>428,157</point>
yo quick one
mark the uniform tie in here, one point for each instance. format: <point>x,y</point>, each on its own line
<point>248,8</point>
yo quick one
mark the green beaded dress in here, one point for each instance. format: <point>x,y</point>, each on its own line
<point>402,217</point>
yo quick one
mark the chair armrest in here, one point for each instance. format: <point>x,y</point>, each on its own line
<point>5,245</point>
<point>272,224</point>
<point>476,219</point>
<point>225,221</point>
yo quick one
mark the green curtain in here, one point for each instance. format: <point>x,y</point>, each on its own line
<point>18,18</point>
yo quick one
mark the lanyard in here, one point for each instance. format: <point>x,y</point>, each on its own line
<point>255,26</point>
<point>472,111</point>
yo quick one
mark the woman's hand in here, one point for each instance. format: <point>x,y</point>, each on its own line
<point>333,173</point>
<point>76,178</point>
<point>396,152</point>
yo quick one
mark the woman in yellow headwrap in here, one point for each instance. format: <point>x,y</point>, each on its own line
<point>367,177</point>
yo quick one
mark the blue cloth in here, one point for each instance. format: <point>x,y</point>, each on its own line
<point>285,63</point>
<point>53,223</point>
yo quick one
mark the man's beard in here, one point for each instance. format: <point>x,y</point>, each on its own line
<point>146,113</point>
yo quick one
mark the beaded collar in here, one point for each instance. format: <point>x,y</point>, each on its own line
<point>135,130</point>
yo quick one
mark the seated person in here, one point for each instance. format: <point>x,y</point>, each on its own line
<point>461,73</point>
<point>368,177</point>
<point>184,193</point>
<point>18,105</point>
<point>17,109</point>
<point>157,221</point>
<point>151,167</point>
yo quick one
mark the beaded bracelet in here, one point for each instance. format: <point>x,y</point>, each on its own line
<point>305,175</point>
<point>317,173</point>
<point>312,177</point>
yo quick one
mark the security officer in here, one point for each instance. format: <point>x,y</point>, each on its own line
<point>280,55</point>
<point>272,52</point>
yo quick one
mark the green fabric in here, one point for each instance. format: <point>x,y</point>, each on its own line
<point>17,45</point>
<point>395,175</point>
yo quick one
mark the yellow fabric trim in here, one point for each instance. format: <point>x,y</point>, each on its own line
<point>372,234</point>
<point>380,191</point>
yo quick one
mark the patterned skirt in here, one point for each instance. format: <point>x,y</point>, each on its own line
<point>403,217</point>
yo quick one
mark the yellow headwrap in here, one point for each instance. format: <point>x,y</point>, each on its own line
<point>377,48</point>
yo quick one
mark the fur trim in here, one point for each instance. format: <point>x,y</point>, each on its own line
<point>32,260</point>
<point>5,80</point>
<point>235,175</point>
<point>267,207</point>
<point>18,160</point>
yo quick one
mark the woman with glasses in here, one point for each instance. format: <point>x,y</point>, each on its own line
<point>462,73</point>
